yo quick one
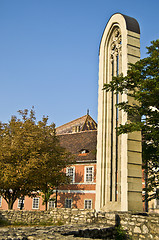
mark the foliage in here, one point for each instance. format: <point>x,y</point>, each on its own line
<point>120,234</point>
<point>142,84</point>
<point>48,170</point>
<point>47,195</point>
<point>31,158</point>
<point>4,223</point>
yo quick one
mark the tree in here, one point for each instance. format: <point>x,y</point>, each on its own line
<point>48,169</point>
<point>51,184</point>
<point>30,156</point>
<point>142,84</point>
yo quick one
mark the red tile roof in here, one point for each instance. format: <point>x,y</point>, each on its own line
<point>76,142</point>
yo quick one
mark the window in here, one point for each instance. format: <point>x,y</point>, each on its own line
<point>83,151</point>
<point>35,203</point>
<point>89,174</point>
<point>75,129</point>
<point>51,203</point>
<point>0,201</point>
<point>68,203</point>
<point>88,204</point>
<point>70,171</point>
<point>20,201</point>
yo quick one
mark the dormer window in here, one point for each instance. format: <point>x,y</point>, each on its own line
<point>83,151</point>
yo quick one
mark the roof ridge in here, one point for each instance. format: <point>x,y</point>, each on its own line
<point>88,117</point>
<point>77,132</point>
<point>72,121</point>
<point>85,122</point>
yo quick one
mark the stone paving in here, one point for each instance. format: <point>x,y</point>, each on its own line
<point>70,232</point>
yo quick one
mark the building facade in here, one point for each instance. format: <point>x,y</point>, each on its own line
<point>79,137</point>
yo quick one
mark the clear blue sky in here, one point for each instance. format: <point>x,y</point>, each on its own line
<point>49,53</point>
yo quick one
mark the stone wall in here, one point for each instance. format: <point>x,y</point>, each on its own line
<point>56,215</point>
<point>138,225</point>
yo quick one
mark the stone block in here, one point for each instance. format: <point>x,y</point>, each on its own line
<point>132,59</point>
<point>134,146</point>
<point>133,34</point>
<point>131,223</point>
<point>135,185</point>
<point>134,170</point>
<point>134,157</point>
<point>142,220</point>
<point>134,41</point>
<point>133,51</point>
<point>145,229</point>
<point>134,136</point>
<point>134,201</point>
<point>137,230</point>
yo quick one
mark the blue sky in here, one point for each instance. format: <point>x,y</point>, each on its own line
<point>49,53</point>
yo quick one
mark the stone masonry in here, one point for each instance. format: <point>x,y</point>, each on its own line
<point>137,225</point>
<point>119,158</point>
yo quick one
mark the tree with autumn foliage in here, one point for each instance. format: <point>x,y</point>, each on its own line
<point>48,169</point>
<point>31,158</point>
<point>142,84</point>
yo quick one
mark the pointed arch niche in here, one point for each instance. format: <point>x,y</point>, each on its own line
<point>119,173</point>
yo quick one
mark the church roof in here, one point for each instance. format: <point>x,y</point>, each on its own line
<point>82,144</point>
<point>81,124</point>
<point>79,137</point>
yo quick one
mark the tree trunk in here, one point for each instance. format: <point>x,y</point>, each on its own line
<point>10,198</point>
<point>10,204</point>
<point>146,188</point>
<point>46,202</point>
<point>56,198</point>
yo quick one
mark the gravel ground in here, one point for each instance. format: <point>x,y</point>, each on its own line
<point>69,232</point>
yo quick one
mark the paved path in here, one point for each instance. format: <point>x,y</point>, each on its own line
<point>69,232</point>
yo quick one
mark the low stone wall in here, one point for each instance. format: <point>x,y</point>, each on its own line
<point>138,225</point>
<point>56,215</point>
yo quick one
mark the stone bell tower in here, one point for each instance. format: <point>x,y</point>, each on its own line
<point>119,159</point>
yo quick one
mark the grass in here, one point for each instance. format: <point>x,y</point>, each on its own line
<point>4,223</point>
<point>120,234</point>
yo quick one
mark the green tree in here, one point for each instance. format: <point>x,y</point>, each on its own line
<point>30,156</point>
<point>142,84</point>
